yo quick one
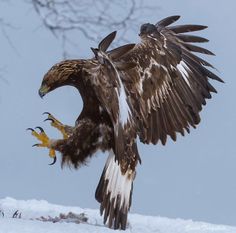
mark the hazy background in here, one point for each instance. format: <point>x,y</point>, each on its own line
<point>191,179</point>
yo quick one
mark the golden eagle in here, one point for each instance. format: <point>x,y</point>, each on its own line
<point>147,90</point>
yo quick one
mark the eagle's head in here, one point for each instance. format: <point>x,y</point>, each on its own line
<point>61,74</point>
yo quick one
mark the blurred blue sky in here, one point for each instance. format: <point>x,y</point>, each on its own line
<point>193,178</point>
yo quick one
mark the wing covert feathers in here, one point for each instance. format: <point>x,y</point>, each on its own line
<point>170,83</point>
<point>120,51</point>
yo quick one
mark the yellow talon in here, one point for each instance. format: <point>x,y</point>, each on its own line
<point>57,124</point>
<point>52,153</point>
<point>45,142</point>
<point>41,137</point>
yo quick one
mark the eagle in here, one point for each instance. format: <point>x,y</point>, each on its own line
<point>150,91</point>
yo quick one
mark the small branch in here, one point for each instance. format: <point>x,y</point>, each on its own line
<point>4,27</point>
<point>90,18</point>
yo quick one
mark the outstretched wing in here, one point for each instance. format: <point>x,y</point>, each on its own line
<point>104,75</point>
<point>170,83</point>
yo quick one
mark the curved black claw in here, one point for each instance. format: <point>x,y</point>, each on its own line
<point>49,119</point>
<point>54,161</point>
<point>30,129</point>
<point>46,113</point>
<point>37,144</point>
<point>40,128</point>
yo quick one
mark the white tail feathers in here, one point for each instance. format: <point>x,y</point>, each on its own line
<point>114,192</point>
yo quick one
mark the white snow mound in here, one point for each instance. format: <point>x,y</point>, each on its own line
<point>32,210</point>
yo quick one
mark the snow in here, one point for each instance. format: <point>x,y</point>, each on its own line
<point>33,209</point>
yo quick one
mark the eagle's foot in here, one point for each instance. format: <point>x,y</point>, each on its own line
<point>45,142</point>
<point>56,124</point>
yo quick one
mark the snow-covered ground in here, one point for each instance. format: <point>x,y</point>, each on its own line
<point>32,211</point>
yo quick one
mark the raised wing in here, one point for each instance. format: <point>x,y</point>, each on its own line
<point>170,83</point>
<point>104,75</point>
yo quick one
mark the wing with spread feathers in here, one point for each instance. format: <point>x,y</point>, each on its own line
<point>104,74</point>
<point>170,83</point>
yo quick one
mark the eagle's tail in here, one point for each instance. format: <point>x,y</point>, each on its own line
<point>114,192</point>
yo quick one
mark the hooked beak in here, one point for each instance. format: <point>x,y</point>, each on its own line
<point>43,90</point>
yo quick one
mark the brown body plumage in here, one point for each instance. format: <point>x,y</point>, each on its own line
<point>149,90</point>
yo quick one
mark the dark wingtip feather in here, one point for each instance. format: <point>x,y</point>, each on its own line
<point>187,28</point>
<point>198,59</point>
<point>192,38</point>
<point>211,88</point>
<point>105,43</point>
<point>212,75</point>
<point>198,49</point>
<point>167,21</point>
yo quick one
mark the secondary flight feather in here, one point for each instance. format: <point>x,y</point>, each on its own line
<point>150,90</point>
